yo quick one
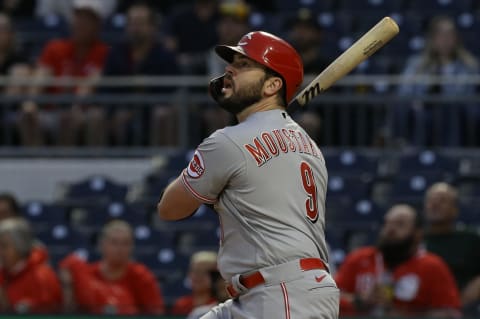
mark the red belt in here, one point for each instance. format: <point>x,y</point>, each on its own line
<point>256,278</point>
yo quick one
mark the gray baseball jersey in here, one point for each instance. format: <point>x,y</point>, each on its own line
<point>267,180</point>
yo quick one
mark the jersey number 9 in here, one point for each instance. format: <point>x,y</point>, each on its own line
<point>311,204</point>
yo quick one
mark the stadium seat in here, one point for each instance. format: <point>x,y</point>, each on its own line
<point>293,5</point>
<point>92,216</point>
<point>349,162</point>
<point>179,160</point>
<point>165,263</point>
<point>372,7</point>
<point>205,218</point>
<point>348,186</point>
<point>43,215</point>
<point>360,213</point>
<point>98,188</point>
<point>174,288</point>
<point>148,239</point>
<point>428,161</point>
<point>61,240</point>
<point>411,189</point>
<point>435,7</point>
<point>189,242</point>
<point>156,182</point>
<point>469,214</point>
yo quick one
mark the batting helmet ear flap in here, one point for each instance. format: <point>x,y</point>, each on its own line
<point>216,86</point>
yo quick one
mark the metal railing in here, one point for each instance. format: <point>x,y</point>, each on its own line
<point>352,113</point>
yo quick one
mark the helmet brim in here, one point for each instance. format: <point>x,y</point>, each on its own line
<point>227,52</point>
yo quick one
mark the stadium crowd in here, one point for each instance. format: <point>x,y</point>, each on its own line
<point>420,264</point>
<point>96,39</point>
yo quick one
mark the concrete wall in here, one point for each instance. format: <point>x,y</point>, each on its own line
<point>39,179</point>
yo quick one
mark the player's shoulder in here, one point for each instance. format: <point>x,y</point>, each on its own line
<point>225,137</point>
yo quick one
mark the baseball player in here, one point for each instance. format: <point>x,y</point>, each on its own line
<point>266,179</point>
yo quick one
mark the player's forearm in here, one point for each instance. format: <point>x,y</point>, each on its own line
<point>176,202</point>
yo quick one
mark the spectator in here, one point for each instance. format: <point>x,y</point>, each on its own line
<point>191,33</point>
<point>305,34</point>
<point>164,6</point>
<point>64,8</point>
<point>9,206</point>
<point>142,54</point>
<point>219,292</point>
<point>443,56</point>
<point>27,283</point>
<point>13,64</point>
<point>232,25</point>
<point>18,8</point>
<point>201,264</point>
<point>458,247</point>
<point>82,55</point>
<point>397,278</point>
<point>115,284</point>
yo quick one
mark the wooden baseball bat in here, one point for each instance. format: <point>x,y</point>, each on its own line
<point>358,52</point>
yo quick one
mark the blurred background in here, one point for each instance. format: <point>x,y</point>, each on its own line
<point>104,101</point>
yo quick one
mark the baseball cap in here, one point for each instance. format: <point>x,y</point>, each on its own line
<point>90,5</point>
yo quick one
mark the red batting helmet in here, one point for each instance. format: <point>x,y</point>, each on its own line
<point>272,52</point>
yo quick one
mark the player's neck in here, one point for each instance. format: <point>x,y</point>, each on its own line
<point>263,105</point>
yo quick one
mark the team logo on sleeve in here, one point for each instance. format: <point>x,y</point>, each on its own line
<point>196,167</point>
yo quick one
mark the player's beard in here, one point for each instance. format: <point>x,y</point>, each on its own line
<point>242,98</point>
<point>396,252</point>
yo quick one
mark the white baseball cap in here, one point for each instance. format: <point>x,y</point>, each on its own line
<point>92,5</point>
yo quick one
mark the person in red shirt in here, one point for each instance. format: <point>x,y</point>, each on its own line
<point>82,55</point>
<point>27,282</point>
<point>115,284</point>
<point>202,263</point>
<point>397,277</point>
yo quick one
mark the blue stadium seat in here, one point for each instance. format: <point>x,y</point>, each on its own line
<point>61,240</point>
<point>435,7</point>
<point>173,289</point>
<point>348,186</point>
<point>372,7</point>
<point>189,242</point>
<point>292,5</point>
<point>361,213</point>
<point>411,188</point>
<point>148,239</point>
<point>469,214</point>
<point>165,263</point>
<point>179,161</point>
<point>43,215</point>
<point>205,218</point>
<point>335,22</point>
<point>156,182</point>
<point>350,162</point>
<point>98,188</point>
<point>428,161</point>
<point>93,216</point>
<point>469,188</point>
